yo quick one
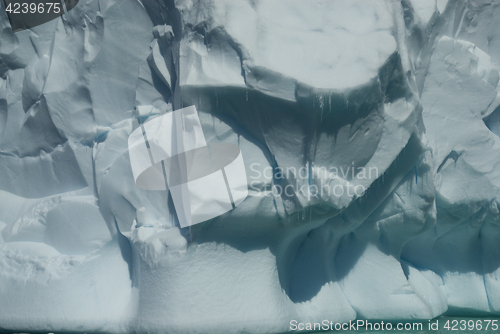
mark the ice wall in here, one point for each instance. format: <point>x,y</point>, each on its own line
<point>399,100</point>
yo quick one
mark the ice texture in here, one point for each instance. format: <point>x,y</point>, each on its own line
<point>400,98</point>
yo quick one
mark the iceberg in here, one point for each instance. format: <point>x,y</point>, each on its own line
<point>355,147</point>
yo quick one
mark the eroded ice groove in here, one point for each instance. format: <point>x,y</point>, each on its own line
<point>397,100</point>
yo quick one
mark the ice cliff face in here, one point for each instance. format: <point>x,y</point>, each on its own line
<point>394,103</point>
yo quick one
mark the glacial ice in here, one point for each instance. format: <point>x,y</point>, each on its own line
<point>409,90</point>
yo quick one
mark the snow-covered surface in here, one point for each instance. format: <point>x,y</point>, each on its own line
<point>397,100</point>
